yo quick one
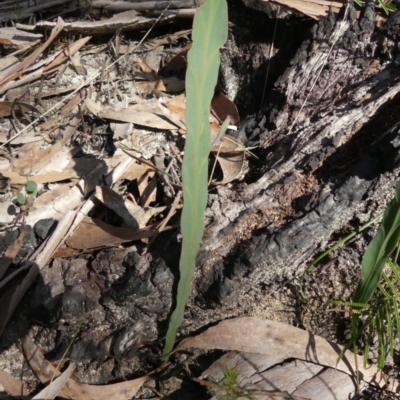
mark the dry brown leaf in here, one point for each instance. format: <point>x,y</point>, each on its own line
<point>317,9</point>
<point>7,107</point>
<point>146,71</point>
<point>171,115</point>
<point>129,114</point>
<point>28,137</point>
<point>230,154</point>
<point>12,386</point>
<point>154,43</point>
<point>165,85</point>
<point>149,194</point>
<point>45,371</point>
<point>257,335</point>
<point>178,61</point>
<point>178,101</point>
<point>95,233</point>
<point>115,202</point>
<point>222,108</point>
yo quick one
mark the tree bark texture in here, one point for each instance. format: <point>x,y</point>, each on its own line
<point>330,139</point>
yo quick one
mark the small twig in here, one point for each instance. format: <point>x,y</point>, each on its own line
<point>165,221</point>
<point>84,130</point>
<point>40,91</point>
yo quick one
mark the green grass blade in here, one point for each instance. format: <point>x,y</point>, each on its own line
<point>396,316</point>
<point>210,28</point>
<point>389,328</point>
<point>395,269</point>
<point>381,338</point>
<point>381,246</point>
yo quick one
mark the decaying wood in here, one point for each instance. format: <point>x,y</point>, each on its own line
<point>18,10</point>
<point>124,21</point>
<point>317,116</point>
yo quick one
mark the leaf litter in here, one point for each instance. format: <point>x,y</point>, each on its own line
<point>89,136</point>
<point>111,146</point>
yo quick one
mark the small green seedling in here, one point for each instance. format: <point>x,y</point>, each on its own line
<point>230,388</point>
<point>26,196</point>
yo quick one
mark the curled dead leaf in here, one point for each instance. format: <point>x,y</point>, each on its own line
<point>257,335</point>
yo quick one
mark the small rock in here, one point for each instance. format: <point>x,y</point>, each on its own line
<point>43,227</point>
<point>11,237</point>
<point>161,274</point>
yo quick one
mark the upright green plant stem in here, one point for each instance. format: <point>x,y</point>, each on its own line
<point>210,27</point>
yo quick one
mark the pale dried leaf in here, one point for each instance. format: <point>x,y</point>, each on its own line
<point>121,129</point>
<point>256,335</point>
<point>129,114</point>
<point>7,62</point>
<point>52,194</point>
<point>28,137</point>
<point>7,107</point>
<point>51,391</point>
<point>27,78</point>
<point>93,233</point>
<point>174,117</point>
<point>12,386</point>
<point>45,371</point>
<point>17,39</point>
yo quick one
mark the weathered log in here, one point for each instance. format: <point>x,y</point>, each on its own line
<point>323,165</point>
